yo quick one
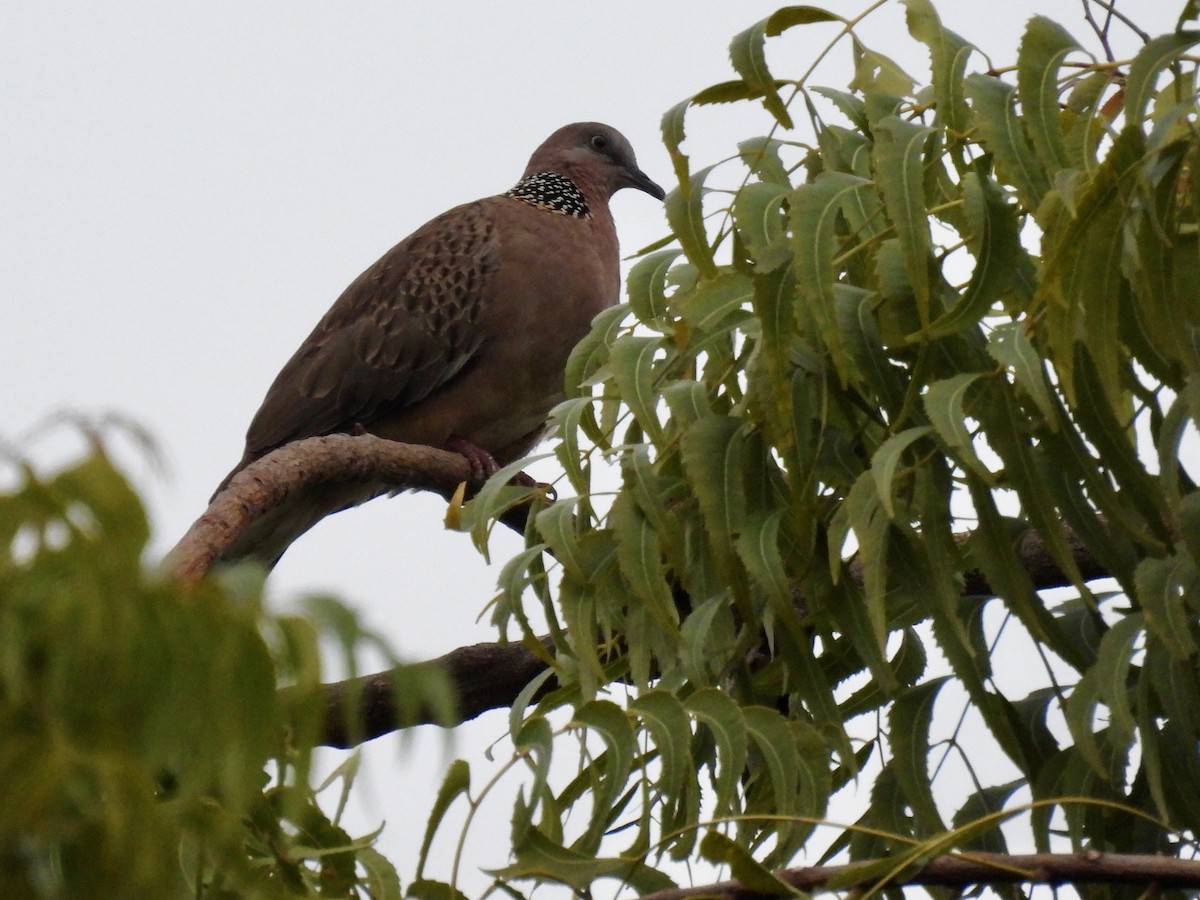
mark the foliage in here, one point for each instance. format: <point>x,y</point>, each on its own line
<point>972,305</point>
<point>143,750</point>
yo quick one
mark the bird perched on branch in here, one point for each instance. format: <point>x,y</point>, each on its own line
<point>459,335</point>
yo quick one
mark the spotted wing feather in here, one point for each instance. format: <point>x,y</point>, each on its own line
<point>405,327</point>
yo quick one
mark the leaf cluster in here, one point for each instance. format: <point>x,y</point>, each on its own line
<point>904,314</point>
<point>145,750</point>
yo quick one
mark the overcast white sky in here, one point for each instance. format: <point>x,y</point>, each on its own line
<point>185,188</point>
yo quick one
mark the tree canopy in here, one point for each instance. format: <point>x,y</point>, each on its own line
<point>908,359</point>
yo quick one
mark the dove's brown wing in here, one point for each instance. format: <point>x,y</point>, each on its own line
<point>404,328</point>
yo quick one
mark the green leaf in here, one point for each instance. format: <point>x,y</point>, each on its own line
<point>646,285</point>
<point>757,212</point>
<point>613,725</point>
<point>556,524</point>
<point>540,857</point>
<point>746,52</point>
<point>908,735</point>
<point>712,453</point>
<point>813,216</point>
<point>996,117</point>
<point>710,305</point>
<point>751,875</point>
<point>887,458</point>
<point>899,150</point>
<point>878,74</point>
<point>1010,346</point>
<point>761,156</point>
<point>673,134</point>
<point>1161,586</point>
<point>632,362</point>
<point>790,16</point>
<point>592,352</point>
<point>640,561</point>
<point>665,718</point>
<point>457,782</point>
<point>718,712</point>
<point>1112,672</point>
<point>1043,47</point>
<point>945,404</point>
<point>685,215</point>
<point>1158,53</point>
<point>1080,714</point>
<point>996,244</point>
<point>776,748</point>
<point>949,54</point>
<point>758,547</point>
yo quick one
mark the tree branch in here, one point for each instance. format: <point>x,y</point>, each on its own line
<point>267,482</point>
<point>490,679</point>
<point>961,871</point>
<point>483,676</point>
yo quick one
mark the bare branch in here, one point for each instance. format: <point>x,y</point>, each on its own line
<point>960,871</point>
<point>304,466</point>
<point>1112,12</point>
<point>1100,30</point>
<point>482,677</point>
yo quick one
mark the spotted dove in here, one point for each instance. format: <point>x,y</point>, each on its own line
<point>458,336</point>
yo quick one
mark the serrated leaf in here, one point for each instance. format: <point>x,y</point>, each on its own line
<point>1080,712</point>
<point>949,54</point>
<point>685,215</point>
<point>556,524</point>
<point>646,285</point>
<point>1010,346</point>
<point>697,655</point>
<point>592,352</point>
<point>726,92</point>
<point>995,115</point>
<point>885,460</point>
<point>775,746</point>
<point>541,857</point>
<point>877,74</point>
<point>724,720</point>
<point>995,242</point>
<point>456,782</point>
<point>899,158</point>
<point>746,52</point>
<point>757,212</point>
<point>750,874</point>
<point>640,562</point>
<point>790,16</point>
<point>632,364</point>
<point>758,548</point>
<point>673,134</point>
<point>813,217</point>
<point>709,306</point>
<point>1162,587</point>
<point>665,718</point>
<point>945,404</point>
<point>1156,55</point>
<point>908,735</point>
<point>1043,46</point>
<point>712,454</point>
<point>1112,673</point>
<point>761,156</point>
<point>851,106</point>
<point>612,724</point>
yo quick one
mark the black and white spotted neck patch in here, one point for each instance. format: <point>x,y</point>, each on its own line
<point>552,192</point>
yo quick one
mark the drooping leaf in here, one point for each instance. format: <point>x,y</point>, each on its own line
<point>1043,47</point>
